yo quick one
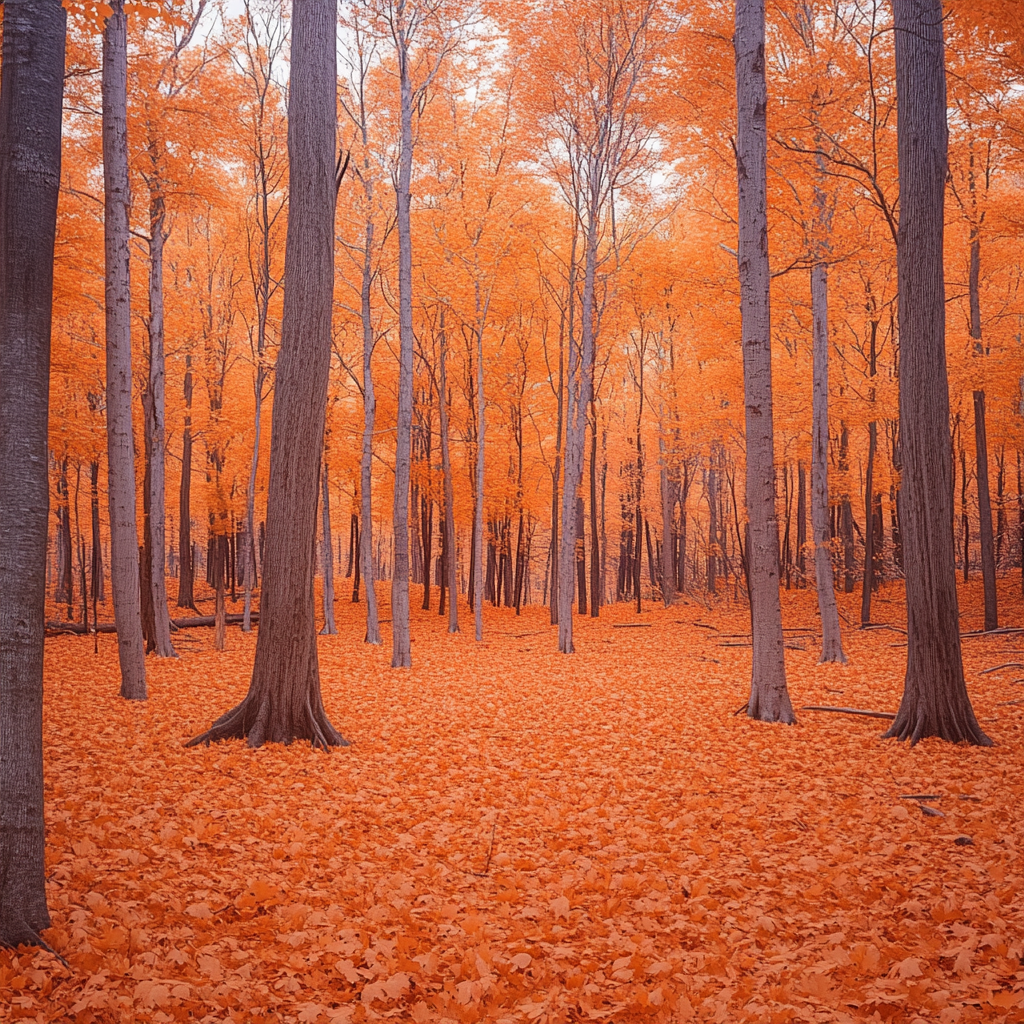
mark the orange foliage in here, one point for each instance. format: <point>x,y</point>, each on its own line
<point>516,835</point>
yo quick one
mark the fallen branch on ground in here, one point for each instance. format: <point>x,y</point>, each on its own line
<point>849,711</point>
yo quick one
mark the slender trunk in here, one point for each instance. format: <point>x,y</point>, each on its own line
<point>124,538</point>
<point>769,697</point>
<point>96,564</point>
<point>595,538</point>
<point>220,546</point>
<point>450,559</point>
<point>868,581</point>
<point>579,394</point>
<point>401,655</point>
<point>186,568</point>
<point>581,558</point>
<point>357,547</point>
<point>988,559</point>
<point>801,524</point>
<point>935,700</point>
<point>250,502</point>
<point>668,543</point>
<point>31,85</point>
<point>427,539</point>
<point>153,408</point>
<point>965,522</point>
<point>478,590</point>
<point>366,458</point>
<point>329,628</point>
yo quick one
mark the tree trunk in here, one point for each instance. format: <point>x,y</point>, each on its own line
<point>186,570</point>
<point>329,629</point>
<point>219,561</point>
<point>250,500</point>
<point>988,555</point>
<point>595,537</point>
<point>153,411</point>
<point>366,458</point>
<point>868,580</point>
<point>769,696</point>
<point>831,634</point>
<point>427,540</point>
<point>401,654</point>
<point>124,538</point>
<point>935,700</point>
<point>965,522</point>
<point>65,590</point>
<point>801,524</point>
<point>450,559</point>
<point>31,89</point>
<point>481,428</point>
<point>581,558</point>
<point>96,565</point>
<point>284,703</point>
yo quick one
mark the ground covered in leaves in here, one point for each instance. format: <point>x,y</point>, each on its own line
<point>520,836</point>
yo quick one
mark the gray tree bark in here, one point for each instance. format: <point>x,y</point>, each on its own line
<point>124,538</point>
<point>186,567</point>
<point>153,409</point>
<point>401,649</point>
<point>284,702</point>
<point>935,700</point>
<point>831,633</point>
<point>988,553</point>
<point>31,92</point>
<point>451,561</point>
<point>329,628</point>
<point>769,696</point>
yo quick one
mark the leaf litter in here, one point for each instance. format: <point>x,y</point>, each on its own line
<point>516,835</point>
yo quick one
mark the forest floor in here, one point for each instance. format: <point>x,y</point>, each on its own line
<point>515,835</point>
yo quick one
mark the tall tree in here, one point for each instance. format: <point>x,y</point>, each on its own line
<point>284,702</point>
<point>935,700</point>
<point>769,696</point>
<point>31,92</point>
<point>124,537</point>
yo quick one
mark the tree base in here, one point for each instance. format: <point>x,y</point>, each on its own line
<point>258,721</point>
<point>923,723</point>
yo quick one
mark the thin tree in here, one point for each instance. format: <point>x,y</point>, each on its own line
<point>124,540</point>
<point>284,702</point>
<point>769,696</point>
<point>935,700</point>
<point>31,93</point>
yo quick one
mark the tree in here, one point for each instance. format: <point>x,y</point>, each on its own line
<point>31,93</point>
<point>124,538</point>
<point>284,703</point>
<point>769,696</point>
<point>935,700</point>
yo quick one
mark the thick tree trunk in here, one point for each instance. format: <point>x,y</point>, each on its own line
<point>124,538</point>
<point>284,703</point>
<point>31,89</point>
<point>153,410</point>
<point>186,569</point>
<point>988,554</point>
<point>935,700</point>
<point>450,559</point>
<point>831,635</point>
<point>769,697</point>
<point>401,653</point>
<point>329,628</point>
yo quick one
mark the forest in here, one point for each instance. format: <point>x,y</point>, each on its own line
<point>511,510</point>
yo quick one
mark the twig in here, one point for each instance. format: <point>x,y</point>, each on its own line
<point>1009,703</point>
<point>1005,664</point>
<point>631,625</point>
<point>920,796</point>
<point>848,711</point>
<point>702,625</point>
<point>1004,631</point>
<point>742,707</point>
<point>490,850</point>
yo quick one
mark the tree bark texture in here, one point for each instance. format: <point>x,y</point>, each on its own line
<point>186,564</point>
<point>401,650</point>
<point>31,91</point>
<point>329,628</point>
<point>988,554</point>
<point>153,409</point>
<point>769,696</point>
<point>935,700</point>
<point>450,559</point>
<point>284,702</point>
<point>124,538</point>
<point>831,634</point>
